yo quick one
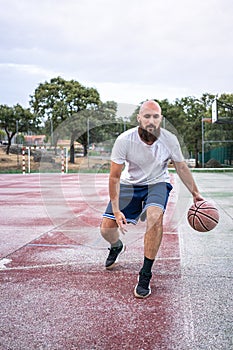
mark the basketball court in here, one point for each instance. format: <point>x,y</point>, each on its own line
<point>56,293</point>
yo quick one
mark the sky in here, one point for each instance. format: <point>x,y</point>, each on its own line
<point>129,50</point>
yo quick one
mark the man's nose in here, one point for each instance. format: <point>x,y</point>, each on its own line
<point>151,119</point>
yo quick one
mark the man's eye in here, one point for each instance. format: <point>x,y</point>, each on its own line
<point>155,116</point>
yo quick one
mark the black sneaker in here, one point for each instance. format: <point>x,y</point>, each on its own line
<point>113,256</point>
<point>142,289</point>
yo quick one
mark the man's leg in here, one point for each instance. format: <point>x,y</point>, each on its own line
<point>152,241</point>
<point>109,231</point>
<point>154,232</point>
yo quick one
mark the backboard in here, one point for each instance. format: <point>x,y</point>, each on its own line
<point>222,113</point>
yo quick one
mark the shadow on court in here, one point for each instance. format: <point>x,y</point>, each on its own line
<point>56,294</point>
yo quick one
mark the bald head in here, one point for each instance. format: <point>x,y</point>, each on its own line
<point>149,119</point>
<point>151,104</point>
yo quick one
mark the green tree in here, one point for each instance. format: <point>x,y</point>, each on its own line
<point>2,135</point>
<point>93,125</point>
<point>15,120</point>
<point>194,110</point>
<point>59,100</point>
<point>228,128</point>
<point>220,135</point>
<point>225,131</point>
<point>101,124</point>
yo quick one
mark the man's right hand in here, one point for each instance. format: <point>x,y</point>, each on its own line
<point>121,221</point>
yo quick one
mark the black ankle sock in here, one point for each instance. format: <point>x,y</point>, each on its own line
<point>147,265</point>
<point>118,244</point>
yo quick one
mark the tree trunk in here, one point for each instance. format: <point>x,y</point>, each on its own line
<point>72,157</point>
<point>85,150</point>
<point>8,147</point>
<point>9,137</point>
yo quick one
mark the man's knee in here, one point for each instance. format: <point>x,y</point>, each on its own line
<point>104,231</point>
<point>154,216</point>
<point>108,226</point>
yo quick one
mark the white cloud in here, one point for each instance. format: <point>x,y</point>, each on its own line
<point>28,69</point>
<point>127,49</point>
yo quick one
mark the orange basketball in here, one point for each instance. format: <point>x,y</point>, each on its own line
<point>203,216</point>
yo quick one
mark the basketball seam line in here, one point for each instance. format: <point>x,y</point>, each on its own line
<point>206,215</point>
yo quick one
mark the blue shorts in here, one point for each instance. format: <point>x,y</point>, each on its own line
<point>134,200</point>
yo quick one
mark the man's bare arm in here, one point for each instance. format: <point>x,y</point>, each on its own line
<point>114,192</point>
<point>187,178</point>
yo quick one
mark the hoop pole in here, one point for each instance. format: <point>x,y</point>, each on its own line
<point>202,144</point>
<point>66,160</point>
<point>23,160</point>
<point>29,160</point>
<point>62,160</point>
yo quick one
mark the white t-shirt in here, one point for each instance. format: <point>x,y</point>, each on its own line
<point>145,164</point>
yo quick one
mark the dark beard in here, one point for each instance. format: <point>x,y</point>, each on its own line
<point>148,137</point>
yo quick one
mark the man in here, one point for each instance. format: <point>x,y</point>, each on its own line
<point>142,188</point>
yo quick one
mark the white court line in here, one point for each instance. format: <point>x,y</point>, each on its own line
<point>30,267</point>
<point>4,262</point>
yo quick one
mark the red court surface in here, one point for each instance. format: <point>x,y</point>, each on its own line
<point>56,293</point>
